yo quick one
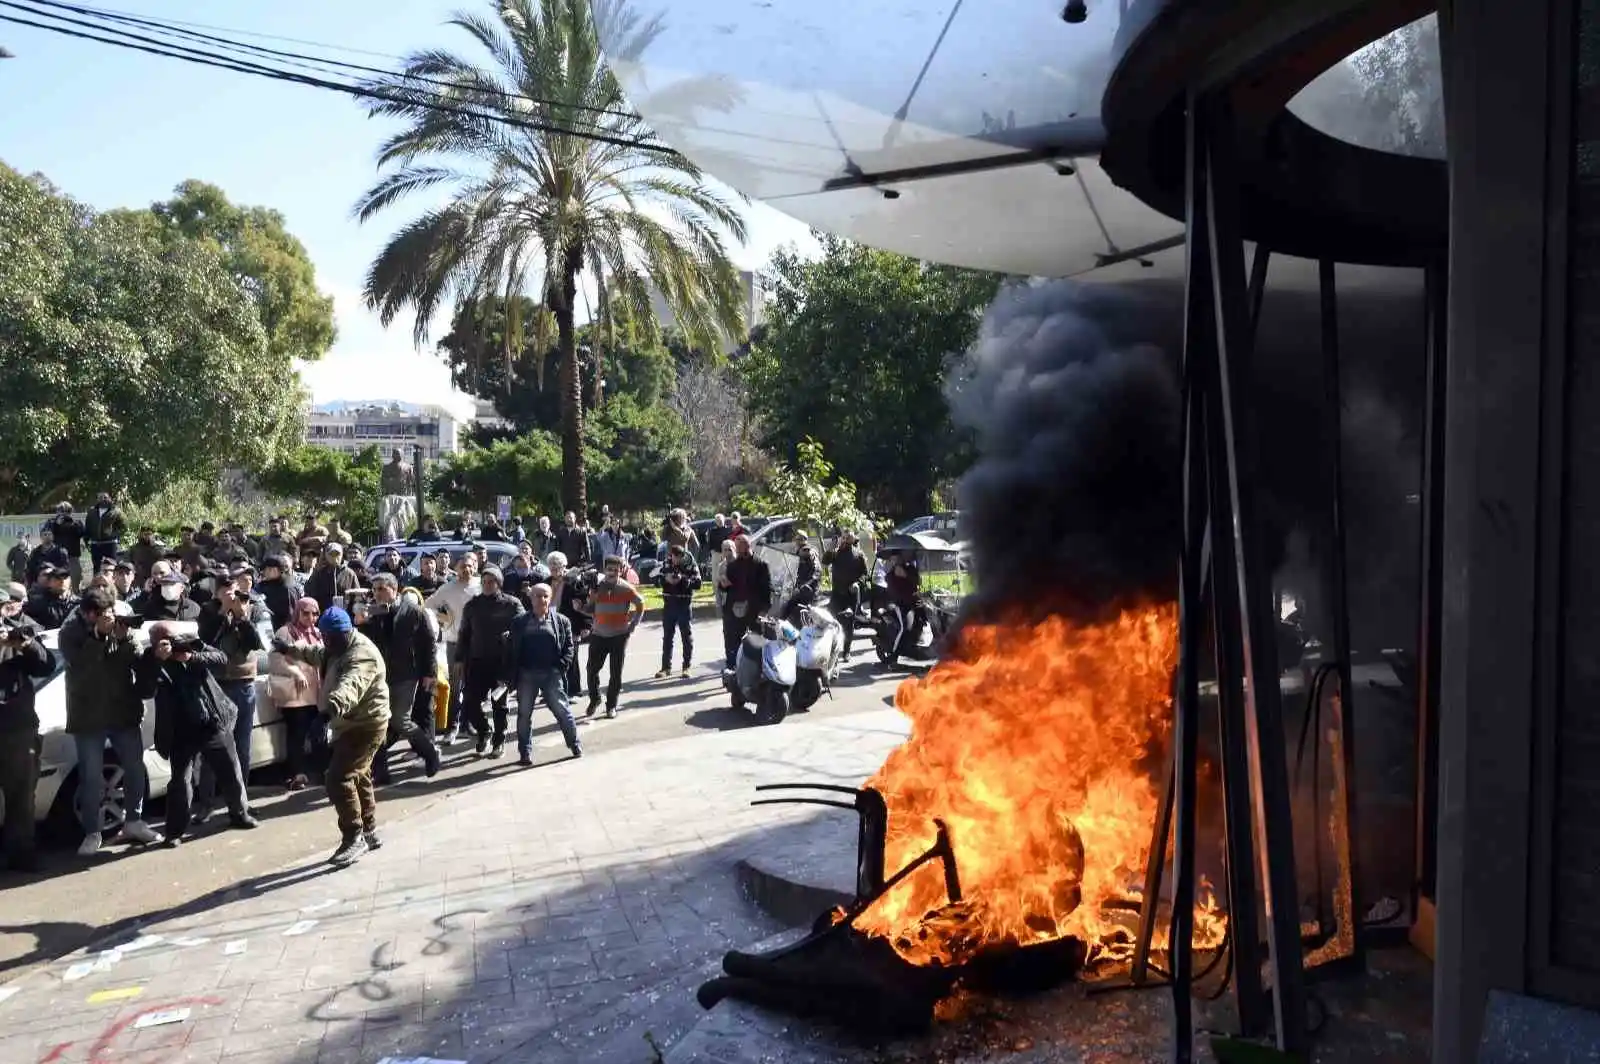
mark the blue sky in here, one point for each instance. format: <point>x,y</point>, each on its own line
<point>117,128</point>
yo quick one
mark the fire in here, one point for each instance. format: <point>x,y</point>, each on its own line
<point>1038,745</point>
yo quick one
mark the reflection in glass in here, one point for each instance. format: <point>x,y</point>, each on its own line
<point>1388,96</point>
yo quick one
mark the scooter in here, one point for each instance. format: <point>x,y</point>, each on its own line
<point>765,671</point>
<point>818,655</point>
<point>895,625</point>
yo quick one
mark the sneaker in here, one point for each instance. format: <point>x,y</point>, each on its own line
<point>372,840</point>
<point>349,852</point>
<point>594,707</point>
<point>525,761</point>
<point>497,750</point>
<point>199,814</point>
<point>172,842</point>
<point>90,845</point>
<point>611,713</point>
<point>450,737</point>
<point>577,751</point>
<point>482,743</point>
<point>141,833</point>
<point>244,821</point>
<point>664,674</point>
<point>685,672</point>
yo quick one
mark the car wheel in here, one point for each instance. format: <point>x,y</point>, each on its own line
<point>113,798</point>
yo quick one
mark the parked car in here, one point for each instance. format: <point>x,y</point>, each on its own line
<point>776,545</point>
<point>498,552</point>
<point>55,796</point>
<point>942,525</point>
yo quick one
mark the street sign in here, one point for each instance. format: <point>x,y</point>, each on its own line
<point>502,507</point>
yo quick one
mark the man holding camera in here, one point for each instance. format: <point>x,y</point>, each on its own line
<point>23,659</point>
<point>103,706</point>
<point>194,723</point>
<point>232,623</point>
<point>50,603</point>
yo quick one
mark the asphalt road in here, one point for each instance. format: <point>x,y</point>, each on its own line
<point>73,901</point>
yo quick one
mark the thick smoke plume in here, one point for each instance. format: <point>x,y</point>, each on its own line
<point>1073,503</point>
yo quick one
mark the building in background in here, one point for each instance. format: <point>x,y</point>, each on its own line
<point>754,307</point>
<point>352,426</point>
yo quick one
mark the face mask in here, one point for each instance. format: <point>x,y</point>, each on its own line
<point>171,592</point>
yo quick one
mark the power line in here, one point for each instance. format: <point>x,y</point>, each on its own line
<point>262,36</point>
<point>416,98</point>
<point>295,58</point>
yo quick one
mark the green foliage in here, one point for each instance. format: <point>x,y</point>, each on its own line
<point>187,502</point>
<point>532,211</point>
<point>322,479</point>
<point>127,360</point>
<point>639,456</point>
<point>527,468</point>
<point>803,490</point>
<point>856,352</point>
<point>267,261</point>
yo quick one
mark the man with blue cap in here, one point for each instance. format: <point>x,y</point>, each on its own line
<point>355,703</point>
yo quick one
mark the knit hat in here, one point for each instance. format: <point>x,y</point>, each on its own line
<point>335,620</point>
<point>494,571</point>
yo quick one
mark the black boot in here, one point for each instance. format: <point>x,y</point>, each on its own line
<point>350,851</point>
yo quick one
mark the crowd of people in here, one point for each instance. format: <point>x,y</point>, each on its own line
<point>353,657</point>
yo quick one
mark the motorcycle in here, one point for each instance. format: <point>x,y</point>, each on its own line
<point>819,652</point>
<point>765,671</point>
<point>897,635</point>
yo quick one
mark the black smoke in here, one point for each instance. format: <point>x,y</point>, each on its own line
<point>1073,504</point>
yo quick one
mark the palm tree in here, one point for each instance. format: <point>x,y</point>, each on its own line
<point>555,187</point>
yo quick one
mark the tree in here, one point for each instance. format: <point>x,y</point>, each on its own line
<point>267,261</point>
<point>809,491</point>
<point>640,453</point>
<point>127,360</point>
<point>321,478</point>
<point>527,468</point>
<point>856,352</point>
<point>708,401</point>
<point>565,188</point>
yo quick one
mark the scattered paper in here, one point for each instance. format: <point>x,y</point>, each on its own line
<point>300,928</point>
<point>122,993</point>
<point>321,905</point>
<point>162,1018</point>
<point>142,942</point>
<point>189,943</point>
<point>77,971</point>
<point>108,960</point>
<point>236,947</point>
<point>8,992</point>
<point>418,1060</point>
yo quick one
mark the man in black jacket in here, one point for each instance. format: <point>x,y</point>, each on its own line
<point>49,602</point>
<point>542,649</point>
<point>47,555</point>
<point>575,542</point>
<point>427,579</point>
<point>410,652</point>
<point>481,642</point>
<point>680,578</point>
<point>807,579</point>
<point>168,599</point>
<point>331,579</point>
<point>104,527</point>
<point>847,567</point>
<point>68,533</point>
<point>276,590</point>
<point>231,623</point>
<point>194,721</point>
<point>747,594</point>
<point>23,660</point>
<point>570,598</point>
<point>17,560</point>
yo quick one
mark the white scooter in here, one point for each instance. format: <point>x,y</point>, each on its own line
<point>765,671</point>
<point>819,654</point>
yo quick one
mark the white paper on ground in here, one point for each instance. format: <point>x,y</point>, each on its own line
<point>142,942</point>
<point>8,992</point>
<point>158,1019</point>
<point>418,1060</point>
<point>188,943</point>
<point>77,971</point>
<point>236,947</point>
<point>300,928</point>
<point>108,960</point>
<point>321,905</point>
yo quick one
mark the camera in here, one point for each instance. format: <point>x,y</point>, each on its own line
<point>12,634</point>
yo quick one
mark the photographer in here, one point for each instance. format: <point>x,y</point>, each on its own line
<point>23,659</point>
<point>103,706</point>
<point>194,722</point>
<point>847,567</point>
<point>232,623</point>
<point>50,603</point>
<point>680,578</point>
<point>409,646</point>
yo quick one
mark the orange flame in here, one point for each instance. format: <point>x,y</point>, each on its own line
<point>1037,744</point>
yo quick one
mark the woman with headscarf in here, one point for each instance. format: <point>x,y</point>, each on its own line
<point>294,686</point>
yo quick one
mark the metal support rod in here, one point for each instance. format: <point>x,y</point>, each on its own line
<point>1258,286</point>
<point>1154,865</point>
<point>1431,572</point>
<point>1263,697</point>
<point>1346,908</point>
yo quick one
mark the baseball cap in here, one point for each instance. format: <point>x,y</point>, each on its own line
<point>494,571</point>
<point>16,593</point>
<point>335,619</point>
<point>123,567</point>
<point>173,577</point>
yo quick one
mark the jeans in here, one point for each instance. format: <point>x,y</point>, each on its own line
<point>216,753</point>
<point>601,649</point>
<point>676,616</point>
<point>243,694</point>
<point>297,724</point>
<point>349,779</point>
<point>19,776</point>
<point>404,723</point>
<point>552,683</point>
<point>128,745</point>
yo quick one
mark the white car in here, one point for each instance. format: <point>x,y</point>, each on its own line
<point>776,545</point>
<point>55,797</point>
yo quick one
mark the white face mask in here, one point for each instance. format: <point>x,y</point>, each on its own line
<point>171,592</point>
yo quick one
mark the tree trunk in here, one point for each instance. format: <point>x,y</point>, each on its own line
<point>574,485</point>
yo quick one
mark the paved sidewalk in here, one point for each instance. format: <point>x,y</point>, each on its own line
<point>561,913</point>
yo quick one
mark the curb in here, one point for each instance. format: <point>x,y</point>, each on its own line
<point>789,901</point>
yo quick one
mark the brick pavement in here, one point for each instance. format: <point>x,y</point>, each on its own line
<point>560,913</point>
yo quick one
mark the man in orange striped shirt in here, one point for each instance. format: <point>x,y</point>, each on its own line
<point>617,607</point>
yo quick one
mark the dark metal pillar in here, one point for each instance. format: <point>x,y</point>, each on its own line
<point>1431,590</point>
<point>1238,531</point>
